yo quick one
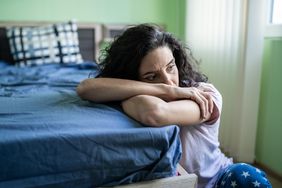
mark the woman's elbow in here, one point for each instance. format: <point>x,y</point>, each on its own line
<point>81,89</point>
<point>146,109</point>
<point>154,117</point>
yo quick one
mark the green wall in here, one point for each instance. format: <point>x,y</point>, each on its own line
<point>167,12</point>
<point>269,134</point>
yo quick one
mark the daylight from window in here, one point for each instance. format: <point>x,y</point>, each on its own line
<point>276,12</point>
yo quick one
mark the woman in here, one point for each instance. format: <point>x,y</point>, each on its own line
<point>157,82</point>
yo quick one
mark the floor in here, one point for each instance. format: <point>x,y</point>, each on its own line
<point>275,183</point>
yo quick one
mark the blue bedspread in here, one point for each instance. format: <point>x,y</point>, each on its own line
<point>49,137</point>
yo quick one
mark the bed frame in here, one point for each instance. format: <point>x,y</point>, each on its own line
<point>90,37</point>
<point>184,180</point>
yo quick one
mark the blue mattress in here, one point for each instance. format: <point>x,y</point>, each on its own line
<point>49,137</point>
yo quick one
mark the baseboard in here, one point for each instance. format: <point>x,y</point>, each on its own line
<point>268,170</point>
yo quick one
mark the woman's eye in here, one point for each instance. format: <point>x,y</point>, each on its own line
<point>151,77</point>
<point>170,68</point>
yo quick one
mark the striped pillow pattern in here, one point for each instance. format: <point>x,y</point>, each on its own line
<point>57,43</point>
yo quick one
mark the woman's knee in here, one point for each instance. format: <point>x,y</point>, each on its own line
<point>244,175</point>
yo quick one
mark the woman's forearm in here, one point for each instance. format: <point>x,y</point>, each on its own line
<point>153,111</point>
<point>112,89</point>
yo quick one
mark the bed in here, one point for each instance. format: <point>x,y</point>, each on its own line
<point>49,137</point>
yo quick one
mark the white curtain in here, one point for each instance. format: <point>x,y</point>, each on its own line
<point>217,31</point>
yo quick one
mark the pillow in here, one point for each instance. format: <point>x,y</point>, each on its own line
<point>57,43</point>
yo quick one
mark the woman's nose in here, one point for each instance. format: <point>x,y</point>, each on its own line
<point>167,80</point>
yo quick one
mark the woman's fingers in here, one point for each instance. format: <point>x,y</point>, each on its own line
<point>200,99</point>
<point>207,89</point>
<point>210,101</point>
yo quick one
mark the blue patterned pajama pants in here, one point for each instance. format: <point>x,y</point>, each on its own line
<point>242,175</point>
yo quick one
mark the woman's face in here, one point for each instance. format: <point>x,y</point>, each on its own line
<point>158,66</point>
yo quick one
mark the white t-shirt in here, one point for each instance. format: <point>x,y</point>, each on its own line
<point>200,145</point>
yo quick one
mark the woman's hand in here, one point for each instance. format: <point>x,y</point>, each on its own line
<point>201,96</point>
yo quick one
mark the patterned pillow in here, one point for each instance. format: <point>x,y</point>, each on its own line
<point>57,43</point>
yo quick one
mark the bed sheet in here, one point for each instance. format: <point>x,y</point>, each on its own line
<point>49,137</point>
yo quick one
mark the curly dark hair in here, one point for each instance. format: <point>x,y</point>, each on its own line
<point>122,58</point>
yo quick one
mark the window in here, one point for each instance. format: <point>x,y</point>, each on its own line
<point>276,12</point>
<point>274,18</point>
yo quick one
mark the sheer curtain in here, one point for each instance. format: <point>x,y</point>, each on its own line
<point>220,35</point>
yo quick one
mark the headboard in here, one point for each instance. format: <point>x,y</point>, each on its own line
<point>89,34</point>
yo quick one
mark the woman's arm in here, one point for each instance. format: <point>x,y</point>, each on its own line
<point>154,111</point>
<point>112,89</point>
